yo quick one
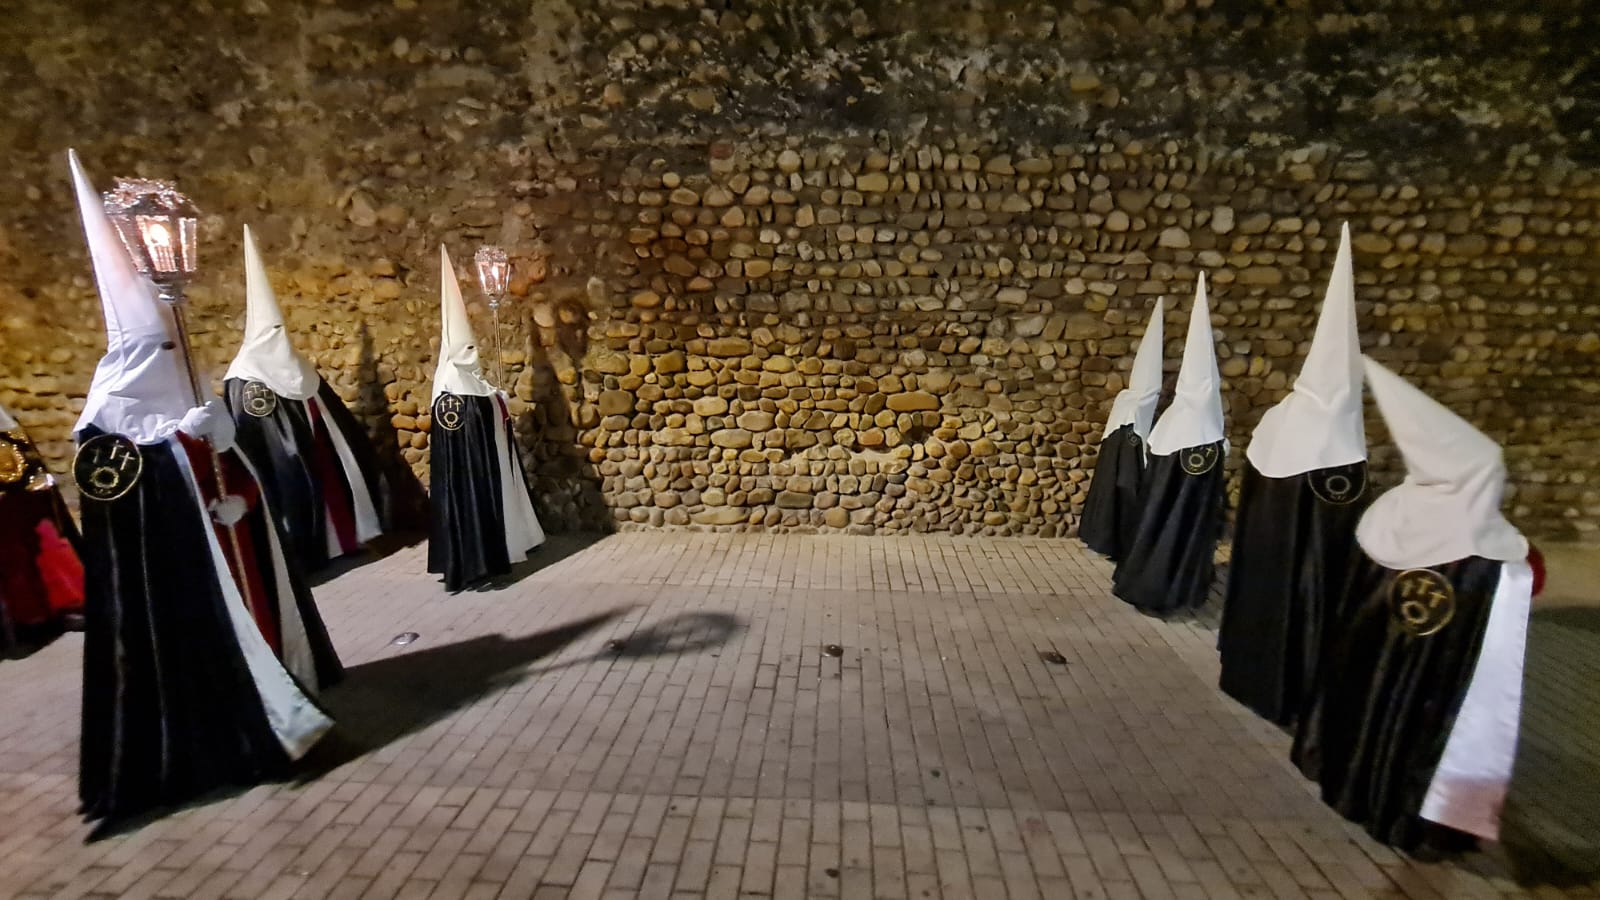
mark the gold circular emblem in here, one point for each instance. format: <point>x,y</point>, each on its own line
<point>1340,485</point>
<point>449,412</point>
<point>259,400</point>
<point>107,466</point>
<point>1199,460</point>
<point>1421,601</point>
<point>13,465</point>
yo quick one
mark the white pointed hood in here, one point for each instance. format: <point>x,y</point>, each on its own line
<point>140,387</point>
<point>266,355</point>
<point>1195,416</point>
<point>459,371</point>
<point>1136,404</point>
<point>1448,507</point>
<point>1319,424</point>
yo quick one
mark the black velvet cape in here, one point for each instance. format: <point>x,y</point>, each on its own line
<point>1292,541</point>
<point>170,708</point>
<point>1384,701</point>
<point>468,532</point>
<point>284,451</point>
<point>1111,511</point>
<point>1169,565</point>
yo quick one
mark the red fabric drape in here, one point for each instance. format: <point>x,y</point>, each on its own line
<point>249,567</point>
<point>60,570</point>
<point>330,474</point>
<point>22,590</point>
<point>1536,562</point>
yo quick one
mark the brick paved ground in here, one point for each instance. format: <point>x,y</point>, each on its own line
<point>516,750</point>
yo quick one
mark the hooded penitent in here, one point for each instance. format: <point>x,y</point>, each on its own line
<point>202,648</point>
<point>317,464</point>
<point>1304,489</point>
<point>41,578</point>
<point>483,519</point>
<point>1168,564</point>
<point>1413,717</point>
<point>1111,511</point>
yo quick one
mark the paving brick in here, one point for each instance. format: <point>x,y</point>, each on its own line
<point>694,871</point>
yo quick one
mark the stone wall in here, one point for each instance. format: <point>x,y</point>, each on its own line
<point>876,267</point>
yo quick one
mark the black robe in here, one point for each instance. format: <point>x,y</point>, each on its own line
<point>1386,697</point>
<point>171,706</point>
<point>1292,541</point>
<point>1111,511</point>
<point>299,467</point>
<point>1170,563</point>
<point>468,530</point>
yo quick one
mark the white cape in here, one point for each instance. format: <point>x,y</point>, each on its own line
<point>266,355</point>
<point>141,388</point>
<point>1319,425</point>
<point>1195,416</point>
<point>459,371</point>
<point>1136,404</point>
<point>1448,506</point>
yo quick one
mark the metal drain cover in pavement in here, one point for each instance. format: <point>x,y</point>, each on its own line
<point>404,638</point>
<point>1052,657</point>
<point>833,650</point>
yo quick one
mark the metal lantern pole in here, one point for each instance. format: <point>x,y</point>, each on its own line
<point>499,353</point>
<point>494,277</point>
<point>159,229</point>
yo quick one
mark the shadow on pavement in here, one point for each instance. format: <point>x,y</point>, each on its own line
<point>382,701</point>
<point>386,699</point>
<point>555,549</point>
<point>673,636</point>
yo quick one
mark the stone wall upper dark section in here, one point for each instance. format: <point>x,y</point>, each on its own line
<point>1416,84</point>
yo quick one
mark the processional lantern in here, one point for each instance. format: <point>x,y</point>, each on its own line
<point>494,277</point>
<point>494,273</point>
<point>160,229</point>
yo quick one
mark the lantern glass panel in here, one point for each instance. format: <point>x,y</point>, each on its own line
<point>494,270</point>
<point>158,226</point>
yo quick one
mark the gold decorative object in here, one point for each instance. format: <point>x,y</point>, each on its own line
<point>107,466</point>
<point>447,412</point>
<point>1421,601</point>
<point>13,464</point>
<point>1199,460</point>
<point>1340,486</point>
<point>259,400</point>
